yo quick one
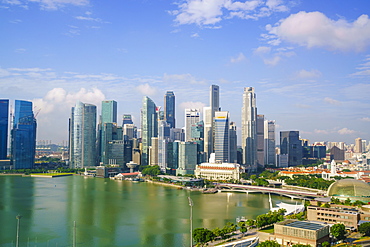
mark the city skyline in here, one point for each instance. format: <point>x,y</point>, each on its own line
<point>313,78</point>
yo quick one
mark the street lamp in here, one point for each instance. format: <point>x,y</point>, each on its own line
<point>18,217</point>
<point>191,220</point>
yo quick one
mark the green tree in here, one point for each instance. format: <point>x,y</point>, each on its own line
<point>217,232</point>
<point>268,243</point>
<point>364,228</point>
<point>338,231</point>
<point>325,244</point>
<point>202,235</point>
<point>347,201</point>
<point>301,245</point>
<point>151,170</point>
<point>242,227</point>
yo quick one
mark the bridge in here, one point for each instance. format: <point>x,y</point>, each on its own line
<point>297,194</point>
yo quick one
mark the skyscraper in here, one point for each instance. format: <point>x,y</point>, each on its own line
<point>169,109</point>
<point>270,142</point>
<point>249,128</point>
<point>358,145</point>
<point>291,145</point>
<point>163,139</point>
<point>82,136</point>
<point>108,115</point>
<point>109,111</point>
<point>209,114</point>
<point>149,127</point>
<point>233,149</point>
<point>127,119</point>
<point>23,136</point>
<point>192,116</point>
<point>221,141</point>
<point>4,119</point>
<point>260,127</point>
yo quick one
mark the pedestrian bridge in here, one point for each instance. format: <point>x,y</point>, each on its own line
<point>297,194</point>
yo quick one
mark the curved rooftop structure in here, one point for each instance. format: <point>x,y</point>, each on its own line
<point>350,188</point>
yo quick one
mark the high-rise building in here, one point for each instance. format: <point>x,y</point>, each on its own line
<point>270,156</point>
<point>127,119</point>
<point>260,127</point>
<point>291,145</point>
<point>197,135</point>
<point>163,139</point>
<point>233,148</point>
<point>209,114</point>
<point>169,109</point>
<point>82,135</point>
<point>149,127</point>
<point>108,115</point>
<point>109,111</point>
<point>187,158</point>
<point>153,152</point>
<point>191,117</point>
<point>129,131</point>
<point>23,136</point>
<point>221,136</point>
<point>358,145</point>
<point>249,128</point>
<point>172,157</point>
<point>4,120</point>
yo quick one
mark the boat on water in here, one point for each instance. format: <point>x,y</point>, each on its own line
<point>290,208</point>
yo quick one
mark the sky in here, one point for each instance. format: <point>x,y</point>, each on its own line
<point>308,60</point>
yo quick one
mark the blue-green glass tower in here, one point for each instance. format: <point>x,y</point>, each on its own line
<point>23,136</point>
<point>108,121</point>
<point>4,119</point>
<point>149,127</point>
<point>169,109</point>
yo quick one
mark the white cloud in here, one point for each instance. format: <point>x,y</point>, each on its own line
<point>192,105</point>
<point>314,29</point>
<point>305,74</point>
<point>48,4</point>
<point>346,131</point>
<point>146,89</point>
<point>181,78</point>
<point>272,61</point>
<point>195,35</point>
<point>366,119</point>
<point>303,106</point>
<point>262,50</point>
<point>325,132</point>
<point>332,101</point>
<point>238,58</point>
<point>211,12</point>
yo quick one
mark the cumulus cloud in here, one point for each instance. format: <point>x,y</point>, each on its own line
<point>146,89</point>
<point>305,74</point>
<point>238,58</point>
<point>272,61</point>
<point>314,29</point>
<point>181,78</point>
<point>192,105</point>
<point>262,50</point>
<point>211,12</point>
<point>332,101</point>
<point>346,131</point>
<point>48,4</point>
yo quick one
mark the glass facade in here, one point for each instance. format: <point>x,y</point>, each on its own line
<point>23,136</point>
<point>291,145</point>
<point>169,109</point>
<point>221,133</point>
<point>4,119</point>
<point>149,127</point>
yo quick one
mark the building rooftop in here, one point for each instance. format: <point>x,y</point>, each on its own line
<point>305,225</point>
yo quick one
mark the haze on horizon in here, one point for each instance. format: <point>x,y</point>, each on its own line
<point>308,61</point>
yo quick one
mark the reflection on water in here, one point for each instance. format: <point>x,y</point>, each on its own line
<point>113,213</point>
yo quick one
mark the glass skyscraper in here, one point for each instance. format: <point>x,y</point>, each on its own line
<point>108,117</point>
<point>23,136</point>
<point>149,127</point>
<point>82,136</point>
<point>169,109</point>
<point>221,130</point>
<point>4,119</point>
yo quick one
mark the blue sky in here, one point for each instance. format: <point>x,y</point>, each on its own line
<point>309,61</point>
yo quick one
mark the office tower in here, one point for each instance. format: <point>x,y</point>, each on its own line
<point>191,117</point>
<point>197,135</point>
<point>109,111</point>
<point>270,142</point>
<point>110,133</point>
<point>364,147</point>
<point>187,158</point>
<point>291,145</point>
<point>108,115</point>
<point>177,134</point>
<point>233,148</point>
<point>249,130</point>
<point>358,145</point>
<point>163,139</point>
<point>221,136</point>
<point>149,127</point>
<point>115,153</point>
<point>82,135</point>
<point>209,114</point>
<point>129,131</point>
<point>4,120</point>
<point>153,152</point>
<point>23,136</point>
<point>172,157</point>
<point>260,128</point>
<point>169,109</point>
<point>127,119</point>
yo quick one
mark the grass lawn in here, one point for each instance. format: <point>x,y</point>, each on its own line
<point>269,229</point>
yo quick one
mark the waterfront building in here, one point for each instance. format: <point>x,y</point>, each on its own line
<point>4,120</point>
<point>209,114</point>
<point>172,157</point>
<point>260,128</point>
<point>218,170</point>
<point>290,144</point>
<point>108,115</point>
<point>249,128</point>
<point>82,135</point>
<point>169,109</point>
<point>23,136</point>
<point>197,135</point>
<point>221,136</point>
<point>269,135</point>
<point>149,127</point>
<point>187,158</point>
<point>233,148</point>
<point>163,139</point>
<point>191,117</point>
<point>290,232</point>
<point>127,119</point>
<point>153,152</point>
<point>115,153</point>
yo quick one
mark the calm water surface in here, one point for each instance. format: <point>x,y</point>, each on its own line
<point>113,213</point>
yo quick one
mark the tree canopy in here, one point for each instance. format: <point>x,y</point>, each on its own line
<point>203,235</point>
<point>338,231</point>
<point>364,228</point>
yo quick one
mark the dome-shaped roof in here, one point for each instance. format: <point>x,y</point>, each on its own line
<point>350,188</point>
